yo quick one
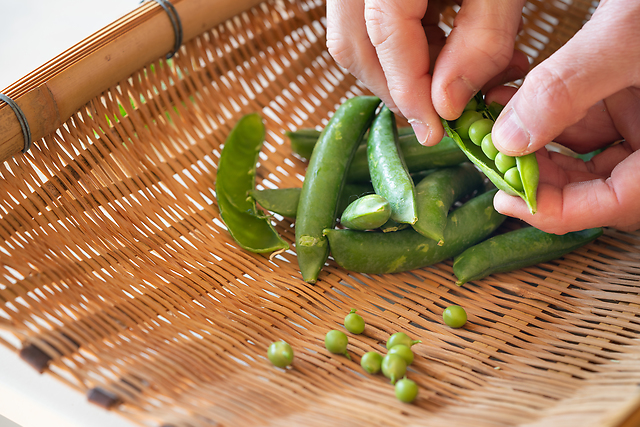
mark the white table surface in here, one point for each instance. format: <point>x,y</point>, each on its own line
<point>32,33</point>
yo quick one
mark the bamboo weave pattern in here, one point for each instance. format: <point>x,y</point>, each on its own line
<point>118,278</point>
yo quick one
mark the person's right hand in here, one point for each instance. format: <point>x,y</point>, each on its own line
<point>584,96</point>
<point>397,50</point>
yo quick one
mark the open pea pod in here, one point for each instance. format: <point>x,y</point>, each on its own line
<point>527,168</point>
<point>236,176</point>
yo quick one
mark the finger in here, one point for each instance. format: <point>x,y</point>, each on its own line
<point>602,202</point>
<point>395,30</point>
<point>516,70</point>
<point>480,47</point>
<point>559,92</point>
<point>348,43</point>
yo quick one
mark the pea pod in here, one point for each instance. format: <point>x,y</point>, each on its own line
<point>417,157</point>
<point>325,179</point>
<point>517,249</point>
<point>366,213</point>
<point>376,253</point>
<point>284,201</point>
<point>236,177</point>
<point>527,166</point>
<point>303,140</point>
<point>389,174</point>
<point>436,193</point>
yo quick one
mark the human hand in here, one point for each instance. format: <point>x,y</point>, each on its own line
<point>393,45</point>
<point>585,96</point>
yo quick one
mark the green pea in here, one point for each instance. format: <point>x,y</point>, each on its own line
<point>366,213</point>
<point>402,351</point>
<point>479,129</point>
<point>406,390</point>
<point>353,322</point>
<point>488,148</point>
<point>393,367</point>
<point>471,105</point>
<point>280,354</point>
<point>371,362</point>
<point>454,316</point>
<point>504,162</point>
<point>400,338</point>
<point>512,176</point>
<point>336,342</point>
<point>465,121</point>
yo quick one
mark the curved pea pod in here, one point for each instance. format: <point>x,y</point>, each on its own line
<point>389,174</point>
<point>436,193</point>
<point>377,253</point>
<point>391,226</point>
<point>284,201</point>
<point>325,178</point>
<point>366,213</point>
<point>236,177</point>
<point>527,169</point>
<point>517,249</point>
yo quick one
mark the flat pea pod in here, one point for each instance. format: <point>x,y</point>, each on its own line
<point>527,167</point>
<point>284,201</point>
<point>517,249</point>
<point>324,180</point>
<point>377,253</point>
<point>366,213</point>
<point>235,178</point>
<point>389,175</point>
<point>437,192</point>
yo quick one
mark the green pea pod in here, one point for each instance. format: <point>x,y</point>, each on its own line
<point>303,140</point>
<point>325,178</point>
<point>366,213</point>
<point>517,249</point>
<point>436,193</point>
<point>284,201</point>
<point>392,225</point>
<point>236,177</point>
<point>527,169</point>
<point>389,174</point>
<point>377,253</point>
<point>417,157</point>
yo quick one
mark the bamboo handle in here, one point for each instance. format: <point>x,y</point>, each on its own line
<point>52,102</point>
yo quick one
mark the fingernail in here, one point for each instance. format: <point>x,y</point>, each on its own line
<point>460,92</point>
<point>509,133</point>
<point>421,130</point>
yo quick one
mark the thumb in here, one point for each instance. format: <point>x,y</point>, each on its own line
<point>597,62</point>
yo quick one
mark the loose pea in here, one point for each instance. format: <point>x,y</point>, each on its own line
<point>394,367</point>
<point>504,162</point>
<point>479,130</point>
<point>400,338</point>
<point>512,176</point>
<point>280,354</point>
<point>488,148</point>
<point>371,362</point>
<point>454,316</point>
<point>353,322</point>
<point>465,121</point>
<point>406,390</point>
<point>336,342</point>
<point>402,351</point>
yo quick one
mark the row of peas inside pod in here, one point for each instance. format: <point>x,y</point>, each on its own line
<point>393,364</point>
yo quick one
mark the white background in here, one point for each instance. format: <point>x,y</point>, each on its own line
<point>33,32</point>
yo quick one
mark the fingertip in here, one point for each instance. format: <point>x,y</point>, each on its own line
<point>510,135</point>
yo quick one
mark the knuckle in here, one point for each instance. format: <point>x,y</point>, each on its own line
<point>548,91</point>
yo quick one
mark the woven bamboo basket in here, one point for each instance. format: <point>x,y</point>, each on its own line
<point>119,279</point>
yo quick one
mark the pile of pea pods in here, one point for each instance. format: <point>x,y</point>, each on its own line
<point>379,202</point>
